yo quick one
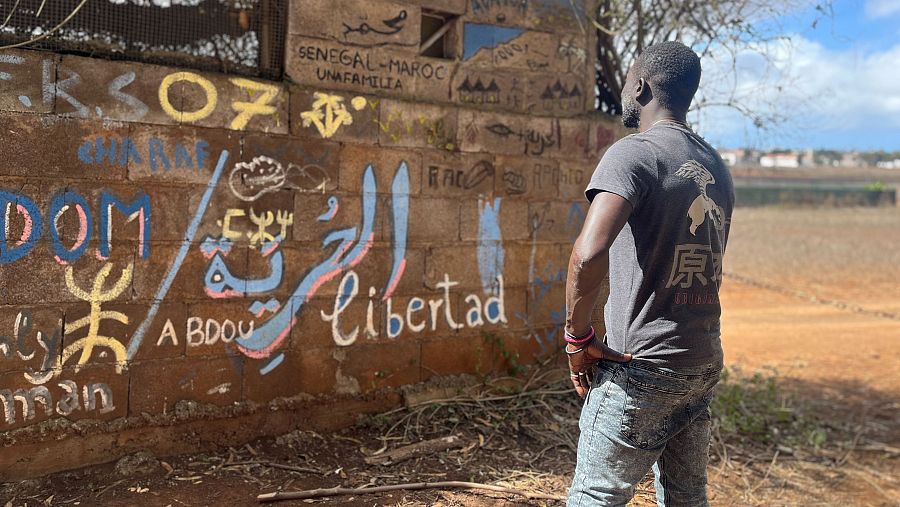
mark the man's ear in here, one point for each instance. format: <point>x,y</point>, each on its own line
<point>642,92</point>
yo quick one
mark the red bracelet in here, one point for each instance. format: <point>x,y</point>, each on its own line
<point>574,340</point>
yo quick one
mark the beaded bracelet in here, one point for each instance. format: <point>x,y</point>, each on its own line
<point>575,340</point>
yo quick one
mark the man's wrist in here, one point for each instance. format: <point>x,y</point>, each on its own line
<point>579,341</point>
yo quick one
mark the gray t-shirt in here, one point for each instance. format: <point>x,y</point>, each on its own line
<point>666,264</point>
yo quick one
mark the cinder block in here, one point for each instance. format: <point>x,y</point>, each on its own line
<point>456,355</point>
<point>388,364</point>
<point>102,89</point>
<point>213,328</point>
<point>513,219</point>
<point>381,70</point>
<point>322,114</point>
<point>166,336</point>
<point>506,134</point>
<point>358,23</point>
<point>528,51</point>
<point>238,103</point>
<point>434,221</point>
<point>417,126</point>
<point>527,177</point>
<point>32,350</point>
<point>558,221</point>
<point>573,179</point>
<point>457,174</point>
<point>74,156</point>
<point>304,166</point>
<point>308,372</point>
<point>214,381</point>
<point>587,140</point>
<point>355,159</point>
<point>178,154</point>
<point>488,88</point>
<point>309,208</point>
<point>22,88</point>
<point>557,94</point>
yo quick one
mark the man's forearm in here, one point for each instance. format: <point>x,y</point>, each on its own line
<point>585,278</point>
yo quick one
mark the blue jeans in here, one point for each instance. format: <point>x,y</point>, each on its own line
<point>636,416</point>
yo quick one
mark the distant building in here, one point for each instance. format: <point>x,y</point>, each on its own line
<point>889,164</point>
<point>852,159</point>
<point>785,160</point>
<point>738,157</point>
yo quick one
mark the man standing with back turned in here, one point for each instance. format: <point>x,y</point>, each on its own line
<point>658,222</point>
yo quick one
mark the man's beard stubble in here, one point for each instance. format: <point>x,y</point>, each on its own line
<point>631,112</point>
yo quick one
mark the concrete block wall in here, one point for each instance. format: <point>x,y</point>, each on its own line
<point>191,259</point>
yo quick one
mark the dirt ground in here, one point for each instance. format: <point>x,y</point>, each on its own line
<point>811,297</point>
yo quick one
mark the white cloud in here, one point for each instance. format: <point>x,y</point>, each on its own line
<point>882,8</point>
<point>820,89</point>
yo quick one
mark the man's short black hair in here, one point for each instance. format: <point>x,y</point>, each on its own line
<point>673,71</point>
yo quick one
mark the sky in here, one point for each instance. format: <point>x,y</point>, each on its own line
<point>841,83</point>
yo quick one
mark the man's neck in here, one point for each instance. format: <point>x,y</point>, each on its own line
<point>651,118</point>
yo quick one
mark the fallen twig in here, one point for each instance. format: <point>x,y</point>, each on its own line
<point>414,450</point>
<point>274,465</point>
<point>320,493</point>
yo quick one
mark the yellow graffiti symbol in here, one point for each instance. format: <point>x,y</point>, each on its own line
<point>260,105</point>
<point>96,297</point>
<point>227,231</point>
<point>209,89</point>
<point>329,113</point>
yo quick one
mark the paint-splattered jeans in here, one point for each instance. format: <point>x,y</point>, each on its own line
<point>637,416</point>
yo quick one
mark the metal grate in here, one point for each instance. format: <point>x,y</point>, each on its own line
<point>234,36</point>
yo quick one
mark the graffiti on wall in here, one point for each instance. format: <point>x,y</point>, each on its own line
<point>126,96</point>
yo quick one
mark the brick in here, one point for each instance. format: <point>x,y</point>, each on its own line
<point>215,381</point>
<point>179,154</point>
<point>189,282</point>
<point>513,218</point>
<point>587,140</point>
<point>229,215</point>
<point>22,90</point>
<point>234,96</point>
<point>549,260</point>
<point>556,94</point>
<point>37,344</point>
<point>528,52</point>
<point>308,166</point>
<point>417,125</point>
<point>514,312</point>
<point>511,353</point>
<point>159,341</point>
<point>356,158</point>
<point>357,121</point>
<point>488,88</point>
<point>457,261</point>
<point>573,179</point>
<point>220,324</point>
<point>508,13</point>
<point>456,355</point>
<point>546,15</point>
<point>313,331</point>
<point>559,221</point>
<point>527,177</point>
<point>122,91</point>
<point>358,23</point>
<point>299,373</point>
<point>434,221</point>
<point>28,137</point>
<point>387,364</point>
<point>508,134</point>
<point>309,207</point>
<point>457,174</point>
<point>22,286</point>
<point>75,406</point>
<point>381,70</point>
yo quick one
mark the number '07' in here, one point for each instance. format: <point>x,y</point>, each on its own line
<point>260,94</point>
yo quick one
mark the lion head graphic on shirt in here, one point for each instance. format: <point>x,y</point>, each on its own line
<point>703,205</point>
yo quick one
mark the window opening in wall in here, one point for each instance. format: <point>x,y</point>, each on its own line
<point>235,36</point>
<point>438,35</point>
